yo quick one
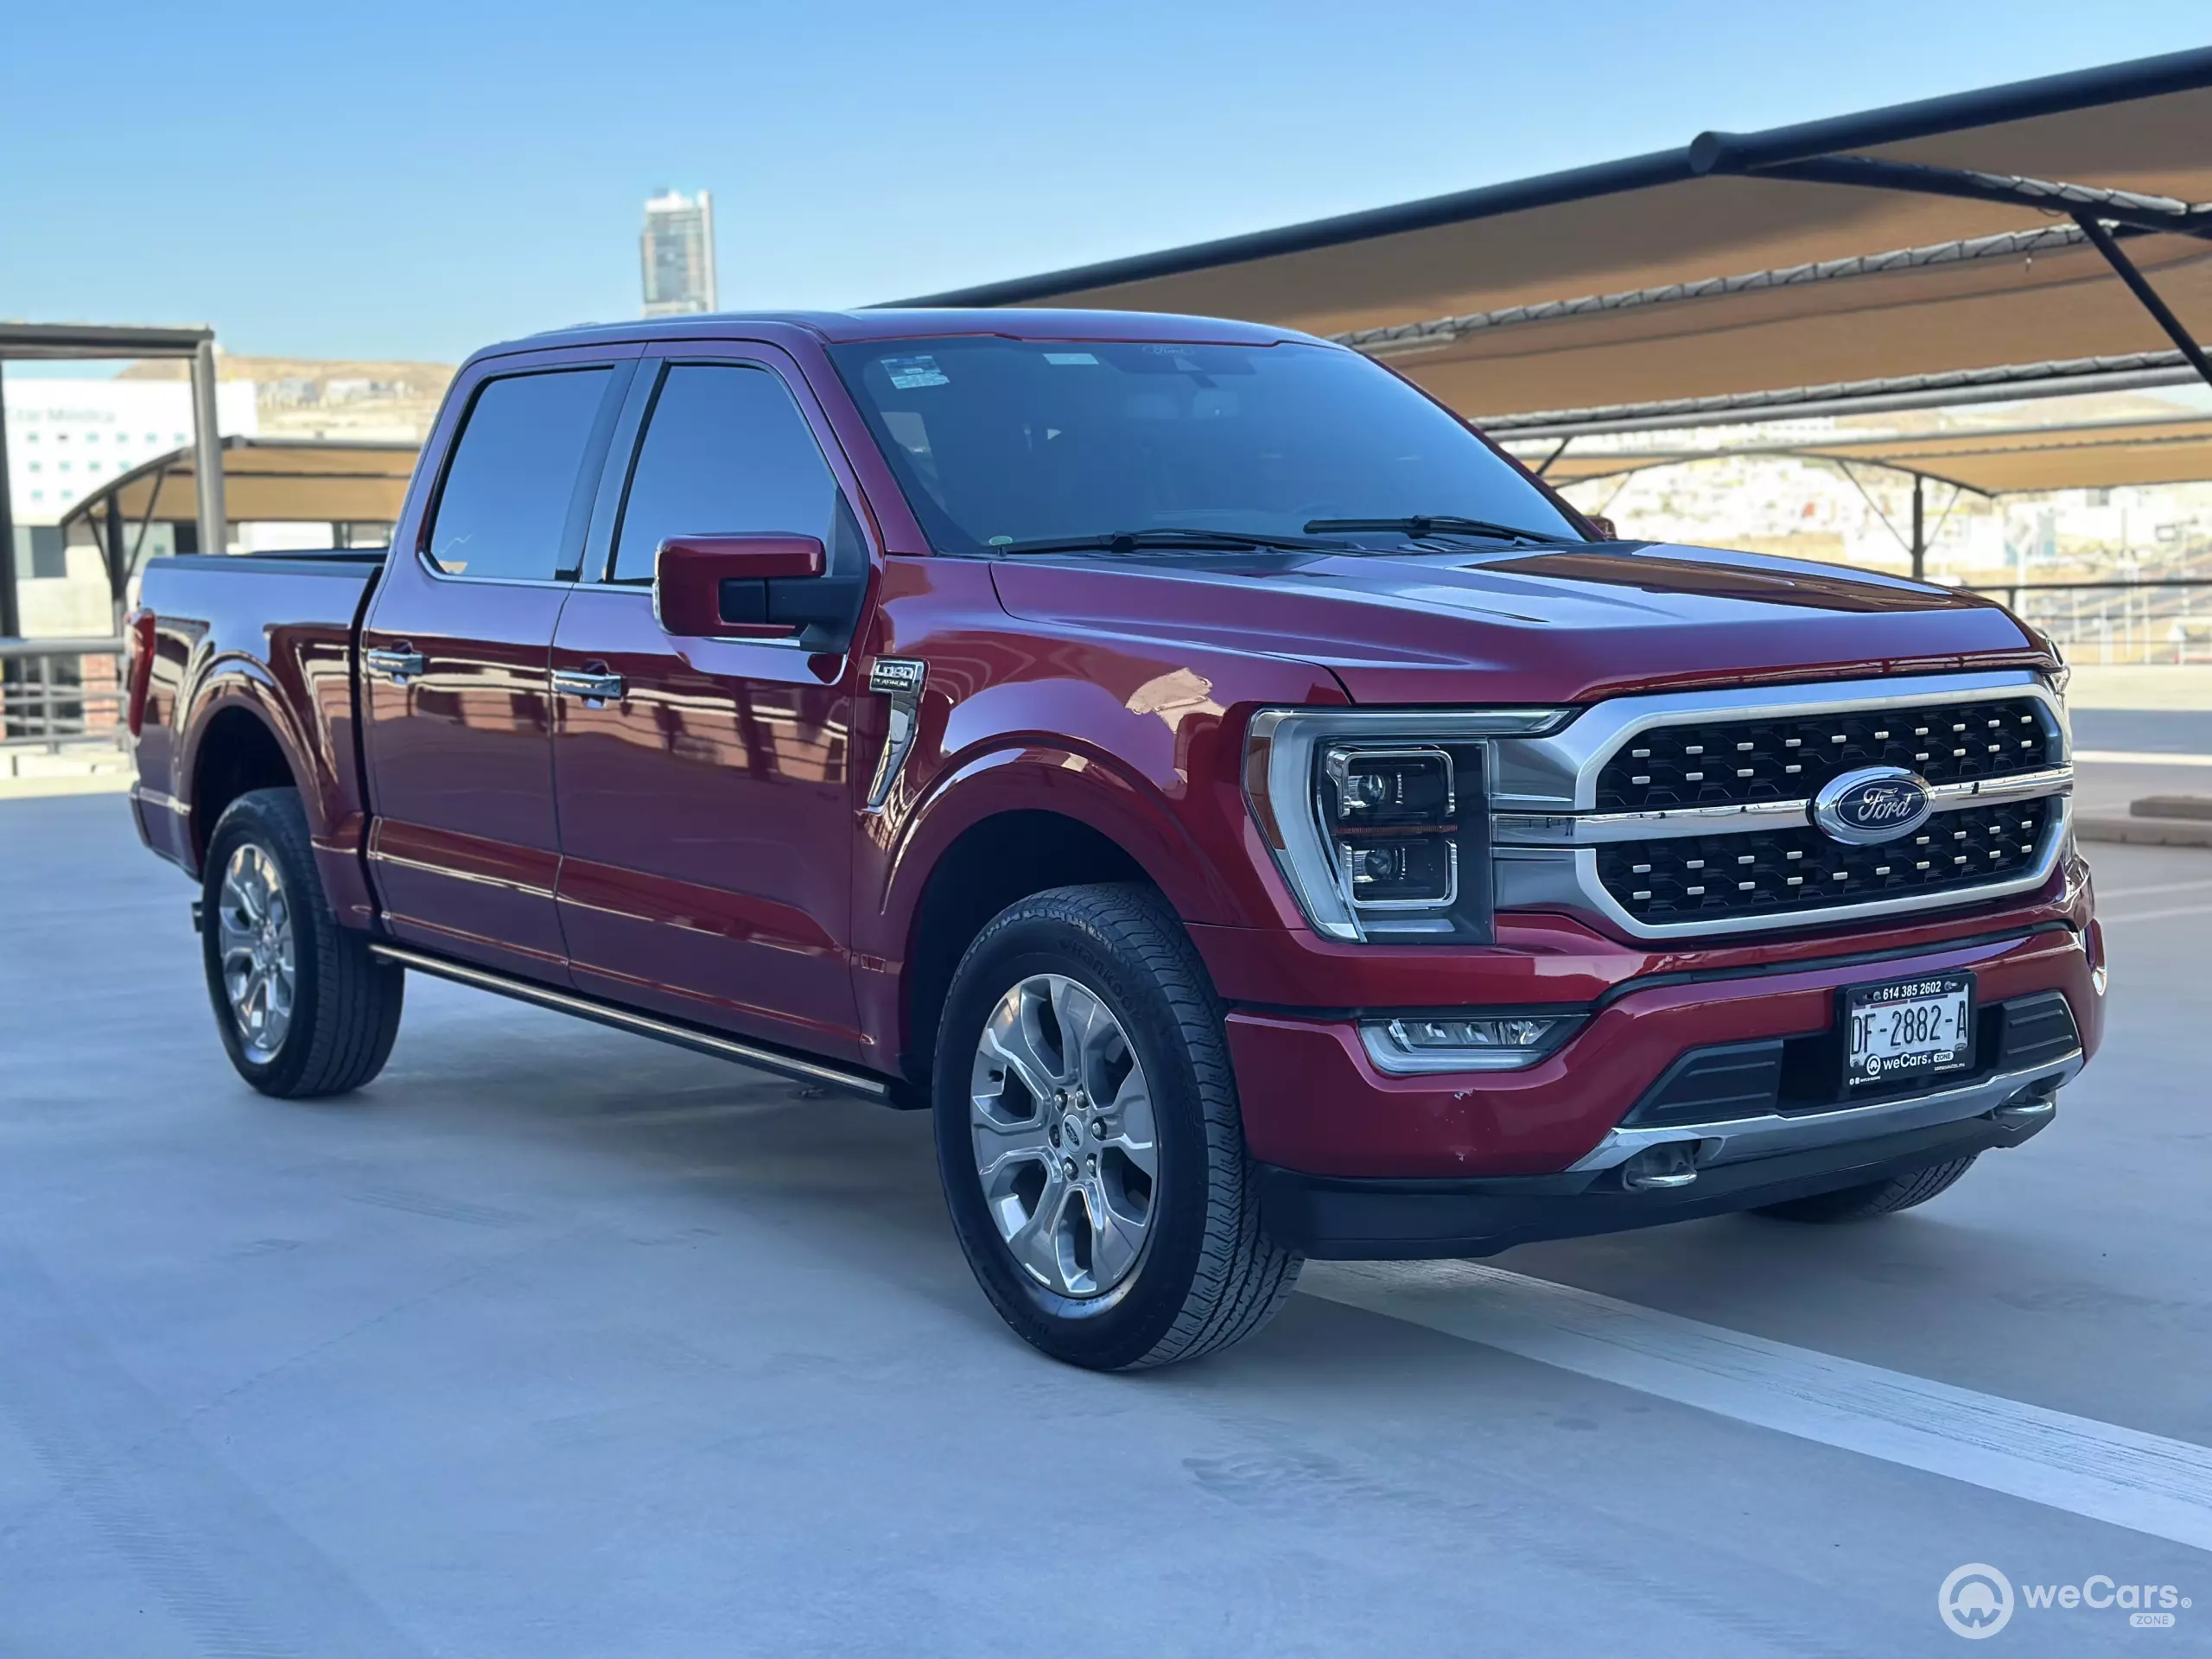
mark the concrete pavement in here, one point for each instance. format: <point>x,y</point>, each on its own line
<point>555,1341</point>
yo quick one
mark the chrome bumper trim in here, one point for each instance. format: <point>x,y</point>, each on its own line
<point>1761,1137</point>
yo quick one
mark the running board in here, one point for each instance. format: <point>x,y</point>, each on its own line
<point>800,1069</point>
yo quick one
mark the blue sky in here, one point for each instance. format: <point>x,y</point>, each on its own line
<point>409,180</point>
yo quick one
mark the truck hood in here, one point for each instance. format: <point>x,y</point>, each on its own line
<point>1527,625</point>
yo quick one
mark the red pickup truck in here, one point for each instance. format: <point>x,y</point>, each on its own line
<point>1254,814</point>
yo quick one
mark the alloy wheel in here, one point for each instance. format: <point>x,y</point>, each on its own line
<point>253,923</point>
<point>1061,1121</point>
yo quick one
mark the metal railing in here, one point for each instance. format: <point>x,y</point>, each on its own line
<point>60,692</point>
<point>2149,620</point>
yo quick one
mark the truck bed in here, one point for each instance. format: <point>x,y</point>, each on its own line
<point>237,636</point>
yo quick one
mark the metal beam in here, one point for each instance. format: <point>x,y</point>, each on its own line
<point>2077,89</point>
<point>207,451</point>
<point>1439,331</point>
<point>67,340</point>
<point>2142,213</point>
<point>2139,285</point>
<point>2069,377</point>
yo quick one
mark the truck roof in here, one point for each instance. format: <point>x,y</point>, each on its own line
<point>892,322</point>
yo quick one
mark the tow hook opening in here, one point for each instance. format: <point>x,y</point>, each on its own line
<point>1657,1169</point>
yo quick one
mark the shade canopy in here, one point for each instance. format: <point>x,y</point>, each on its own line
<point>1934,251</point>
<point>1990,462</point>
<point>265,479</point>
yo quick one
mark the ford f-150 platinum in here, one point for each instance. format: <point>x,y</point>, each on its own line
<point>1254,815</point>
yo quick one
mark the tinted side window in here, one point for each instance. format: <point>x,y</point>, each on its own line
<point>513,493</point>
<point>726,451</point>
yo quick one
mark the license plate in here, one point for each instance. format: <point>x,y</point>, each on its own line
<point>1908,1028</point>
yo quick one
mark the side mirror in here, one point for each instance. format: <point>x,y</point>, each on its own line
<point>736,586</point>
<point>1604,528</point>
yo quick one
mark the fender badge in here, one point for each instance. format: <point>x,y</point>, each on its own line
<point>897,675</point>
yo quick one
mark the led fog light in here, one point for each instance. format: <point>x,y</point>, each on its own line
<point>1417,1044</point>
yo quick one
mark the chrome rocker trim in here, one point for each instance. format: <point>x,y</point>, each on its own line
<point>825,1072</point>
<point>1760,1137</point>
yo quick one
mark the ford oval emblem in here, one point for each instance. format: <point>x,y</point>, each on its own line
<point>1873,805</point>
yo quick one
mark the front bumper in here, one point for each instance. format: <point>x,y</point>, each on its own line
<point>1313,1102</point>
<point>1333,1218</point>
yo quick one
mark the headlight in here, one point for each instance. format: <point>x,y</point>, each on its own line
<point>1380,820</point>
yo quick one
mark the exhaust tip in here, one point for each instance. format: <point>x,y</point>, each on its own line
<point>1661,1169</point>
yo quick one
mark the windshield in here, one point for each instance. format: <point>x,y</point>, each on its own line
<point>1009,444</point>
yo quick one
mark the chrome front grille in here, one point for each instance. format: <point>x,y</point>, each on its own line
<point>1689,814</point>
<point>1710,763</point>
<point>1788,871</point>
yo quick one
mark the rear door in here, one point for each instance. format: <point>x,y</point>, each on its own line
<point>464,850</point>
<point>706,799</point>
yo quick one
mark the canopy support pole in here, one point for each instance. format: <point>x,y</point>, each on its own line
<point>207,451</point>
<point>111,555</point>
<point>1919,527</point>
<point>2139,285</point>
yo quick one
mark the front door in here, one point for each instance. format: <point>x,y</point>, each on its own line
<point>454,655</point>
<point>705,786</point>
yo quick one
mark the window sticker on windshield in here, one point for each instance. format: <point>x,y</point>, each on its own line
<point>908,373</point>
<point>1070,357</point>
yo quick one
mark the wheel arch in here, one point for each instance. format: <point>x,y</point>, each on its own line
<point>994,861</point>
<point>237,744</point>
<point>1018,818</point>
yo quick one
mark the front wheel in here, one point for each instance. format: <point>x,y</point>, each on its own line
<point>304,1008</point>
<point>1089,1138</point>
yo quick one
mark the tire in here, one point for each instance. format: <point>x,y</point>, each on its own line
<point>1874,1197</point>
<point>1205,1273</point>
<point>344,1006</point>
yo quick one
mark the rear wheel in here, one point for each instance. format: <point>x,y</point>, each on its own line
<point>303,1007</point>
<point>1873,1198</point>
<point>1089,1137</point>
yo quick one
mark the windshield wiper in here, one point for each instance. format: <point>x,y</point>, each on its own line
<point>1422,525</point>
<point>1131,541</point>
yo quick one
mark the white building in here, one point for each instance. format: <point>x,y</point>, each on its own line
<point>67,437</point>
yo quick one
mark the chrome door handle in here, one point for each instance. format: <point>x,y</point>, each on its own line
<point>596,688</point>
<point>397,666</point>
